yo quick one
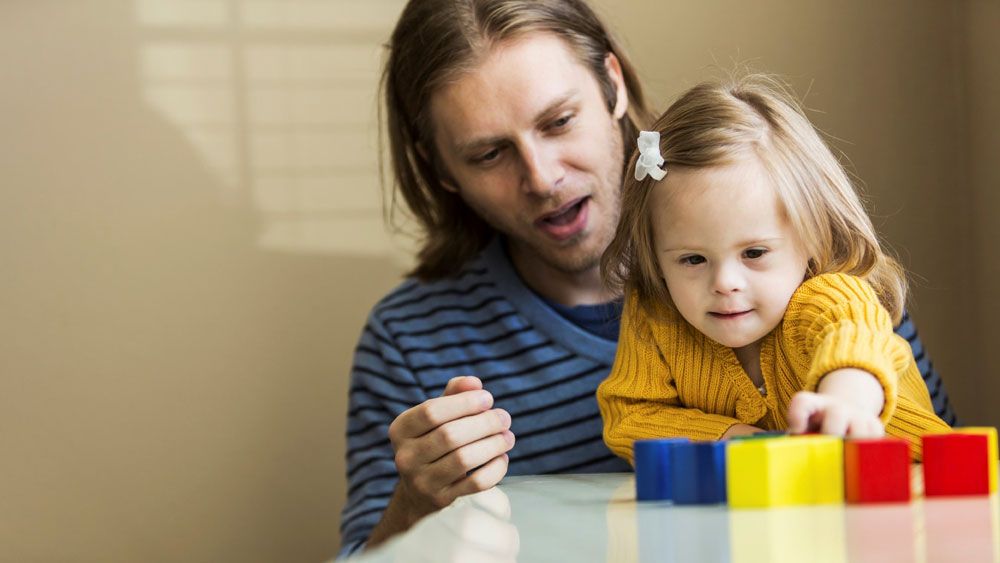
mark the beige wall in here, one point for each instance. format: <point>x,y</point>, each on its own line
<point>981,382</point>
<point>190,239</point>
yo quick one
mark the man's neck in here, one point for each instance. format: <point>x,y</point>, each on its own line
<point>566,288</point>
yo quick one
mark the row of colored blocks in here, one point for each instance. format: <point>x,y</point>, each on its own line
<point>777,470</point>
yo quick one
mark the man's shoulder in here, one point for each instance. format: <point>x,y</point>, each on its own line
<point>472,287</point>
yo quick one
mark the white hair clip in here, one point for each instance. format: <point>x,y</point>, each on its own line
<point>649,160</point>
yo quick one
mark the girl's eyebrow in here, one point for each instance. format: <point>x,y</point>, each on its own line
<point>749,242</point>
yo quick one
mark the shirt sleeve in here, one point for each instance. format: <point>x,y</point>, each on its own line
<point>639,400</point>
<point>382,387</point>
<point>907,330</point>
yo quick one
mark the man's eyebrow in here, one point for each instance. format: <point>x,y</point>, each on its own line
<point>546,112</point>
<point>556,105</point>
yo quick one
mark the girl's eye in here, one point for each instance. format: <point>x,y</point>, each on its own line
<point>692,260</point>
<point>754,253</point>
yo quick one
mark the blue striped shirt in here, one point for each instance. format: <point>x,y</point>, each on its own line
<point>540,367</point>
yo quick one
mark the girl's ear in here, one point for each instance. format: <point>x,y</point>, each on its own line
<point>614,69</point>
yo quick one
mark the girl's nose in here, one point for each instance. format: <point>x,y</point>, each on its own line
<point>727,279</point>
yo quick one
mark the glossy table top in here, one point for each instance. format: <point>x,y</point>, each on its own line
<point>596,518</point>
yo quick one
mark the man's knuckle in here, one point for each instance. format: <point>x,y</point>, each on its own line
<point>395,431</point>
<point>449,436</point>
<point>420,485</point>
<point>403,459</point>
<point>484,479</point>
<point>463,458</point>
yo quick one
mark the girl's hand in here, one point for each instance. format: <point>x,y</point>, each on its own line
<point>830,414</point>
<point>848,402</point>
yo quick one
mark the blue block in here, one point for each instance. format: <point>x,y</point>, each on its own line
<point>652,465</point>
<point>698,473</point>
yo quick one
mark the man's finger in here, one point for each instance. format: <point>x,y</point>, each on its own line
<point>458,433</point>
<point>460,462</point>
<point>483,478</point>
<point>461,384</point>
<point>430,414</point>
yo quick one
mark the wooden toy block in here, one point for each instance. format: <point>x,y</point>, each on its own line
<point>698,473</point>
<point>826,468</point>
<point>877,470</point>
<point>652,468</point>
<point>794,470</point>
<point>960,463</point>
<point>765,473</point>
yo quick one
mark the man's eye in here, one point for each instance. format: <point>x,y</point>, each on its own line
<point>561,122</point>
<point>487,157</point>
<point>692,260</point>
<point>754,253</point>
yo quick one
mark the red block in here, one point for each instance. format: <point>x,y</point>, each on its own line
<point>956,464</point>
<point>877,470</point>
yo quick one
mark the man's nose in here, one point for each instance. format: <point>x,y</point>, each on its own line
<point>543,169</point>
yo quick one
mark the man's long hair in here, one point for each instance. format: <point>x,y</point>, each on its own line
<point>434,42</point>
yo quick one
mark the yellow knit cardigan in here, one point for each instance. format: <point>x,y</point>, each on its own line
<point>671,380</point>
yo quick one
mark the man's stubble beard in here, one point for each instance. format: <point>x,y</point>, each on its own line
<point>561,260</point>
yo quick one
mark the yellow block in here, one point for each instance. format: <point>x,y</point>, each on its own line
<point>827,468</point>
<point>794,470</point>
<point>991,439</point>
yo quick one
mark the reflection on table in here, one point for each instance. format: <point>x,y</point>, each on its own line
<point>596,518</point>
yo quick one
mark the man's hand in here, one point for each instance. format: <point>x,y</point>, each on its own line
<point>847,403</point>
<point>446,447</point>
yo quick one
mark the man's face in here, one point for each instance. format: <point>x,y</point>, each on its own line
<point>527,140</point>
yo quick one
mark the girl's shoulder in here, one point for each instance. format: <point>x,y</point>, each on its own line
<point>824,298</point>
<point>657,320</point>
<point>833,288</point>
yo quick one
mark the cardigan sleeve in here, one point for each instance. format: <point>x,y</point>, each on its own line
<point>915,414</point>
<point>639,400</point>
<point>836,321</point>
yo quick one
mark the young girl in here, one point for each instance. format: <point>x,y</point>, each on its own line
<point>757,296</point>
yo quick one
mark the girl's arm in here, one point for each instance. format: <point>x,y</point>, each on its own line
<point>639,401</point>
<point>861,375</point>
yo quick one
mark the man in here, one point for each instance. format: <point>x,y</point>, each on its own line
<point>509,124</point>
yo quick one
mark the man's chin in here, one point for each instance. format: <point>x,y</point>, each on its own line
<point>575,261</point>
<point>576,256</point>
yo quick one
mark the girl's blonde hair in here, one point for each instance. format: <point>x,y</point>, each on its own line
<point>713,124</point>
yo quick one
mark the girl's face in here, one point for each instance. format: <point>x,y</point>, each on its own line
<point>729,256</point>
